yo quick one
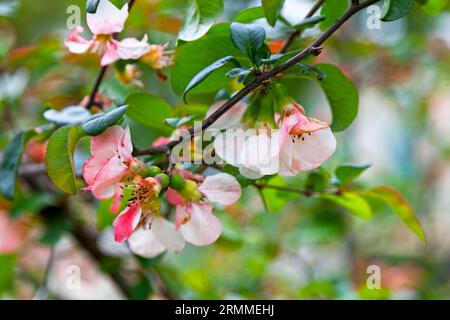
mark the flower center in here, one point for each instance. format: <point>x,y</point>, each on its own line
<point>100,42</point>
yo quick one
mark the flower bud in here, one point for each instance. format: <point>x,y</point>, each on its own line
<point>177,182</point>
<point>164,179</point>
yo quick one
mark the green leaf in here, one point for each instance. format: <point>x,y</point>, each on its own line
<point>178,122</point>
<point>248,38</point>
<point>342,96</point>
<point>395,200</point>
<point>104,216</point>
<point>200,17</point>
<point>349,172</point>
<point>193,57</point>
<point>7,266</point>
<point>202,75</point>
<point>59,158</point>
<point>100,123</point>
<point>352,202</point>
<point>272,10</point>
<point>332,10</point>
<point>91,5</point>
<point>11,161</point>
<point>149,110</point>
<point>395,9</point>
<point>250,15</point>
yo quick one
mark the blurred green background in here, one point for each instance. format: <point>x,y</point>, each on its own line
<point>302,248</point>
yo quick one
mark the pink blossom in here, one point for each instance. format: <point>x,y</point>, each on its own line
<point>104,23</point>
<point>299,144</point>
<point>194,213</point>
<point>158,57</point>
<point>109,163</point>
<point>141,223</point>
<point>231,118</point>
<point>12,233</point>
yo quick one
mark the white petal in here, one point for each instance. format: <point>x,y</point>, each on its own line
<point>203,228</point>
<point>167,235</point>
<point>316,147</point>
<point>108,18</point>
<point>221,188</point>
<point>231,118</point>
<point>131,48</point>
<point>260,154</point>
<point>69,115</point>
<point>228,146</point>
<point>144,243</point>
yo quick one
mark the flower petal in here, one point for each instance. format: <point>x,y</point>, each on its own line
<point>174,197</point>
<point>75,43</point>
<point>228,146</point>
<point>315,147</point>
<point>261,153</point>
<point>110,139</point>
<point>126,222</point>
<point>95,163</point>
<point>203,228</point>
<point>166,234</point>
<point>131,48</point>
<point>108,18</point>
<point>181,216</point>
<point>111,53</point>
<point>221,188</point>
<point>231,118</point>
<point>144,243</point>
<point>109,176</point>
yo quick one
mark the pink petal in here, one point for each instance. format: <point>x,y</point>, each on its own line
<point>144,243</point>
<point>231,118</point>
<point>75,43</point>
<point>111,54</point>
<point>181,216</point>
<point>203,228</point>
<point>126,222</point>
<point>117,200</point>
<point>131,48</point>
<point>174,197</point>
<point>95,163</point>
<point>110,139</point>
<point>166,233</point>
<point>290,166</point>
<point>108,18</point>
<point>315,147</point>
<point>108,177</point>
<point>221,188</point>
<point>125,144</point>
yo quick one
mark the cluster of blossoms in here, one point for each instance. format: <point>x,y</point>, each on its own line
<point>113,172</point>
<point>105,24</point>
<point>295,144</point>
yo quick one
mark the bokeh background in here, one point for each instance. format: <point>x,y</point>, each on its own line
<point>302,248</point>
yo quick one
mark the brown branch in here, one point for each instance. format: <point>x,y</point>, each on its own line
<point>313,49</point>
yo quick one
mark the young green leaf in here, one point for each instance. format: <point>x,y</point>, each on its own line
<point>272,10</point>
<point>395,9</point>
<point>309,22</point>
<point>248,38</point>
<point>332,10</point>
<point>202,75</point>
<point>352,202</point>
<point>11,161</point>
<point>434,7</point>
<point>97,125</point>
<point>91,5</point>
<point>348,172</point>
<point>200,16</point>
<point>250,15</point>
<point>342,96</point>
<point>149,110</point>
<point>59,158</point>
<point>395,200</point>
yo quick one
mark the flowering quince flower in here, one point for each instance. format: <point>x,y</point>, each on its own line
<point>148,233</point>
<point>104,23</point>
<point>12,233</point>
<point>299,144</point>
<point>158,57</point>
<point>110,162</point>
<point>194,212</point>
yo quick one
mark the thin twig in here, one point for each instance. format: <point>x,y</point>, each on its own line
<point>313,49</point>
